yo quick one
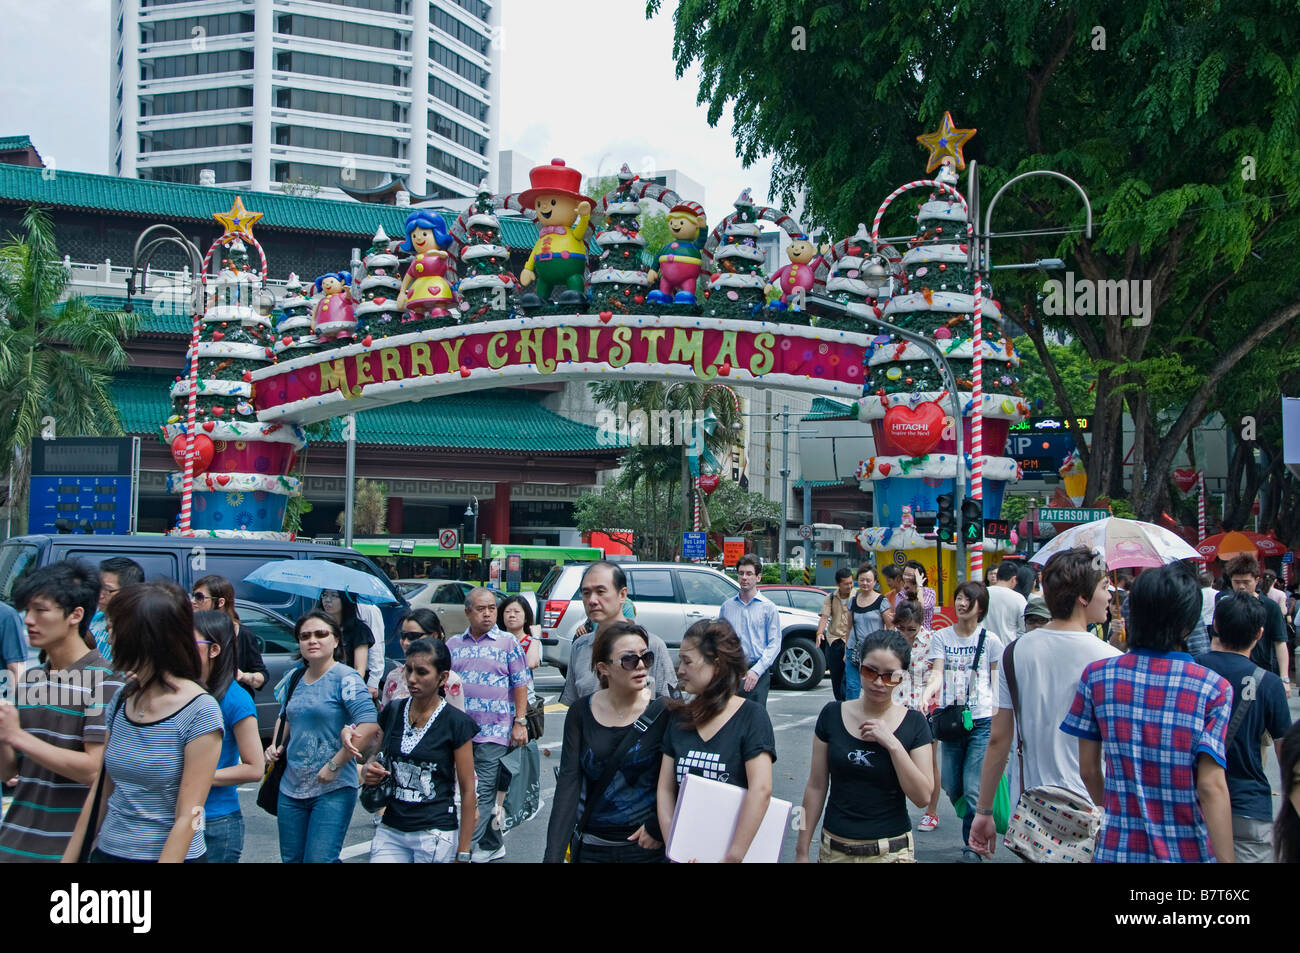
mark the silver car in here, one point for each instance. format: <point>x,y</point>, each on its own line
<point>670,598</point>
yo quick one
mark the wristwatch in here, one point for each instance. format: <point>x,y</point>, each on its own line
<point>464,857</point>
<point>522,722</point>
<point>332,767</point>
<point>987,812</point>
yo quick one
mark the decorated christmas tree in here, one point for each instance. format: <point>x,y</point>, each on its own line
<point>738,279</point>
<point>488,286</point>
<point>234,341</point>
<point>621,279</point>
<point>905,399</point>
<point>377,313</point>
<point>856,277</point>
<point>293,324</point>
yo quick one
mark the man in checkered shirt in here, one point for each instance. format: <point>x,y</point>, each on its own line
<point>1160,720</point>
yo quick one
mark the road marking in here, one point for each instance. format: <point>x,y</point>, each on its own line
<point>555,709</point>
<point>356,850</point>
<point>795,724</point>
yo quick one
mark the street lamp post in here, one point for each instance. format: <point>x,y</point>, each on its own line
<point>471,514</point>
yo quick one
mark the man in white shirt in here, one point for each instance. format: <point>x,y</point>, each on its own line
<point>373,618</point>
<point>1006,617</point>
<point>1208,595</point>
<point>1048,663</point>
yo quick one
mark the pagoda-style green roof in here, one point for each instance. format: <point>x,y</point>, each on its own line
<point>489,420</point>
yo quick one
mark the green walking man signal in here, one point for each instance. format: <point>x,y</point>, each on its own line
<point>972,520</point>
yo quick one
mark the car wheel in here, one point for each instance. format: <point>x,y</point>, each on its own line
<point>800,665</point>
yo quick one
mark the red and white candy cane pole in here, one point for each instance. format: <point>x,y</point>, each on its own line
<point>1200,508</point>
<point>696,524</point>
<point>191,412</point>
<point>977,389</point>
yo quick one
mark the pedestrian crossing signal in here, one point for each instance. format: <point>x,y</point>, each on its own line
<point>972,520</point>
<point>946,525</point>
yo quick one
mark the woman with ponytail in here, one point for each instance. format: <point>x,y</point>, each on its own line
<point>718,734</point>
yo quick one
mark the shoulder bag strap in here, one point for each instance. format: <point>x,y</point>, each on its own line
<point>294,679</point>
<point>972,680</point>
<point>1243,706</point>
<point>1008,666</point>
<point>639,728</point>
<point>92,825</point>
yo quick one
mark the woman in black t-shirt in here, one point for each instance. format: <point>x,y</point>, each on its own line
<point>357,637</point>
<point>616,824</point>
<point>875,755</point>
<point>719,734</point>
<point>426,745</point>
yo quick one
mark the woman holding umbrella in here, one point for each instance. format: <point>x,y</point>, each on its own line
<point>357,637</point>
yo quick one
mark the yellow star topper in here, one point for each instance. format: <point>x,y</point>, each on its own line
<point>946,141</point>
<point>238,221</point>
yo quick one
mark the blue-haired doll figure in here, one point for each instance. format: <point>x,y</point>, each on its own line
<point>333,316</point>
<point>426,293</point>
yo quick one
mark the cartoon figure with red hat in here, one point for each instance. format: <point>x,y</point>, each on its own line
<point>799,273</point>
<point>680,260</point>
<point>560,256</point>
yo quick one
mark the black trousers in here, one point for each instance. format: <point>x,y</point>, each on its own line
<point>835,662</point>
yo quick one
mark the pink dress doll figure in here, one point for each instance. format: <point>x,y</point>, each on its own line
<point>333,317</point>
<point>799,274</point>
<point>425,289</point>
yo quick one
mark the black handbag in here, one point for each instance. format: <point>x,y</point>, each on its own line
<point>268,795</point>
<point>950,722</point>
<point>535,717</point>
<point>375,797</point>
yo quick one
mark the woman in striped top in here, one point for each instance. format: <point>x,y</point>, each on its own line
<point>164,737</point>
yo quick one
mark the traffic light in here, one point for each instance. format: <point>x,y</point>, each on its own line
<point>972,520</point>
<point>946,525</point>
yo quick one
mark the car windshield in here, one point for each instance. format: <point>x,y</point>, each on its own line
<point>15,558</point>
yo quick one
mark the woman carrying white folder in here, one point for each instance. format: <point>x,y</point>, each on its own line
<point>874,754</point>
<point>718,734</point>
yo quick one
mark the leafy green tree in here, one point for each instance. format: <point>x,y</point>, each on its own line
<point>56,356</point>
<point>1073,368</point>
<point>1179,120</point>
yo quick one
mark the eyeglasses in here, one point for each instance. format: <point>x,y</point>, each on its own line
<point>196,596</point>
<point>314,634</point>
<point>870,672</point>
<point>631,660</point>
<point>203,642</point>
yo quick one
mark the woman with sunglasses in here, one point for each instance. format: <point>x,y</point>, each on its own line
<point>617,823</point>
<point>875,756</point>
<point>427,750</point>
<point>356,635</point>
<point>216,593</point>
<point>242,761</point>
<point>319,789</point>
<point>719,734</point>
<point>420,624</point>
<point>523,764</point>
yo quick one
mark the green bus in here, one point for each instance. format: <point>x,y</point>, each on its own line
<point>426,559</point>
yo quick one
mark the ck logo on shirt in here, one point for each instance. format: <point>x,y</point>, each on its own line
<point>860,758</point>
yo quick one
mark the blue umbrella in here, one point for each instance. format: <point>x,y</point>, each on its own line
<point>309,577</point>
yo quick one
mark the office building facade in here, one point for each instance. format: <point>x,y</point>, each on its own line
<point>309,96</point>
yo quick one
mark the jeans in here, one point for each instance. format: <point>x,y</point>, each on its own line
<point>312,829</point>
<point>759,694</point>
<point>392,846</point>
<point>835,662</point>
<point>631,854</point>
<point>224,838</point>
<point>852,682</point>
<point>487,770</point>
<point>962,763</point>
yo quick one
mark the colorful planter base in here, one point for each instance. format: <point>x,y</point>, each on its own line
<point>258,512</point>
<point>892,494</point>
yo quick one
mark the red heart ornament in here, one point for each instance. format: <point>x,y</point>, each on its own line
<point>725,369</point>
<point>381,300</point>
<point>223,478</point>
<point>367,340</point>
<point>218,336</point>
<point>605,316</point>
<point>203,450</point>
<point>218,411</point>
<point>915,432</point>
<point>286,340</point>
<point>1185,478</point>
<point>884,468</point>
<point>464,371</point>
<point>248,377</point>
<point>209,426</point>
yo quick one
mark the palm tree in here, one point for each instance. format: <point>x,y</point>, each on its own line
<point>55,358</point>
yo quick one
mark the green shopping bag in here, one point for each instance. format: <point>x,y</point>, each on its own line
<point>1001,806</point>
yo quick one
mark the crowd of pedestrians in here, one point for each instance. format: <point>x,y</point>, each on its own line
<point>1072,687</point>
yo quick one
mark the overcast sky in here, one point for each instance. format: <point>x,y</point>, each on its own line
<point>54,71</point>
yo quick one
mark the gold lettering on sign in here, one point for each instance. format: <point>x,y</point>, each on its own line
<point>621,352</point>
<point>529,349</point>
<point>652,336</point>
<point>421,362</point>
<point>452,350</point>
<point>593,338</point>
<point>363,371</point>
<point>689,346</point>
<point>333,376</point>
<point>763,359</point>
<point>496,357</point>
<point>390,364</point>
<point>566,342</point>
<point>727,352</point>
